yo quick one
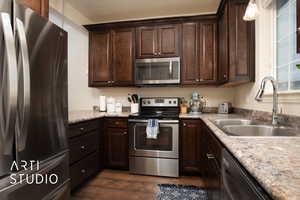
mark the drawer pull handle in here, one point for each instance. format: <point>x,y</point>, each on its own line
<point>83,171</point>
<point>82,147</point>
<point>125,133</point>
<point>210,156</point>
<point>81,129</point>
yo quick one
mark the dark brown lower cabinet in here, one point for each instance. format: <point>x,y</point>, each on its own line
<point>84,142</point>
<point>189,146</point>
<point>200,152</point>
<point>210,155</point>
<point>117,143</point>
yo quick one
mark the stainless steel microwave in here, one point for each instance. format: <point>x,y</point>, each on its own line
<point>157,71</point>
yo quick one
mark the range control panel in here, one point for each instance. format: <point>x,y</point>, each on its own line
<point>160,102</point>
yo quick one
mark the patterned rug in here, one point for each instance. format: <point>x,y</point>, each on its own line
<point>181,192</point>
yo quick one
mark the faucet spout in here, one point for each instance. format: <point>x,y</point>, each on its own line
<point>260,93</point>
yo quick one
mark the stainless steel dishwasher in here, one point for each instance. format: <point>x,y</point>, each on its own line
<point>237,184</point>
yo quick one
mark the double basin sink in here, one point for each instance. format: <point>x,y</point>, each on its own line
<point>252,128</point>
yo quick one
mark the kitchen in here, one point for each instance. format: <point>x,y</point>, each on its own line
<point>155,100</point>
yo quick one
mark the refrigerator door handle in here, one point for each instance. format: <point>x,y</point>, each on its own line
<point>9,88</point>
<point>24,71</point>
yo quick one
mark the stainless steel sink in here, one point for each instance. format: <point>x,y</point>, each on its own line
<point>252,128</point>
<point>225,122</point>
<point>261,131</point>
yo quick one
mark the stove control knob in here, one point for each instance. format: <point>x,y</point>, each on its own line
<point>174,102</point>
<point>170,102</point>
<point>148,102</point>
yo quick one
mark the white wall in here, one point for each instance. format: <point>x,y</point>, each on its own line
<point>244,95</point>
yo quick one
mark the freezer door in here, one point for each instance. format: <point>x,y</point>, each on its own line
<point>30,188</point>
<point>8,87</point>
<point>42,110</point>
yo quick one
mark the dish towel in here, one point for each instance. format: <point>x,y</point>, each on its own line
<point>152,129</point>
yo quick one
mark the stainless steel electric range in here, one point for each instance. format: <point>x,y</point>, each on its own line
<point>159,156</point>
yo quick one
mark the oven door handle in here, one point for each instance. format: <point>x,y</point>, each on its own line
<point>159,121</point>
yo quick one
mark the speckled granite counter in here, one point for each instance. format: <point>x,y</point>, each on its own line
<point>79,116</point>
<point>274,162</point>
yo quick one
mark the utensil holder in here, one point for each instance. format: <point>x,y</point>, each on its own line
<point>134,108</point>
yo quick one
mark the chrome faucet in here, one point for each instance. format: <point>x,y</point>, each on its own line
<point>258,97</point>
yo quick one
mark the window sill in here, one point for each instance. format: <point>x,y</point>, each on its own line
<point>284,97</point>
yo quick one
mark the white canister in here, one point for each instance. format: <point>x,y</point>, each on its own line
<point>102,103</point>
<point>134,108</point>
<point>118,107</point>
<point>111,105</point>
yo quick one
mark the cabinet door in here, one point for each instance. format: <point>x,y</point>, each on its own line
<point>190,146</point>
<point>117,148</point>
<point>100,73</point>
<point>123,56</point>
<point>241,44</point>
<point>190,70</point>
<point>223,45</point>
<point>207,51</point>
<point>146,42</point>
<point>39,6</point>
<point>168,40</point>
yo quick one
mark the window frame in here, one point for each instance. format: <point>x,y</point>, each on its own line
<point>274,69</point>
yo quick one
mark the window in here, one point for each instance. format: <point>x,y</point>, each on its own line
<point>287,59</point>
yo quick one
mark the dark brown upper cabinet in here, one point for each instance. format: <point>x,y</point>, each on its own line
<point>111,57</point>
<point>123,56</point>
<point>223,42</point>
<point>39,6</point>
<point>199,51</point>
<point>241,44</point>
<point>189,62</point>
<point>157,41</point>
<point>100,59</point>
<point>208,52</point>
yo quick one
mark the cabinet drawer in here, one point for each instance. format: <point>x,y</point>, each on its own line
<point>83,145</point>
<point>215,147</point>
<point>116,123</point>
<point>83,127</point>
<point>84,169</point>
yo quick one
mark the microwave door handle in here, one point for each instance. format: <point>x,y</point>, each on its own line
<point>22,123</point>
<point>170,69</point>
<point>8,100</point>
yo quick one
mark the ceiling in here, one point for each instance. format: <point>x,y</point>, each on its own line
<point>100,11</point>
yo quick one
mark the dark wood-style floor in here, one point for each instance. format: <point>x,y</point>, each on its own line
<point>121,185</point>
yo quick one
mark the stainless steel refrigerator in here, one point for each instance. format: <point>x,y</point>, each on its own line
<point>33,105</point>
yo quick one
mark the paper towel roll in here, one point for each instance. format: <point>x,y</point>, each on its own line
<point>102,103</point>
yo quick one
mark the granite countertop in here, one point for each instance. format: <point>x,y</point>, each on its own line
<point>273,162</point>
<point>84,115</point>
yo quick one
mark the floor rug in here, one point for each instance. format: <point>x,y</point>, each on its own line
<point>181,192</point>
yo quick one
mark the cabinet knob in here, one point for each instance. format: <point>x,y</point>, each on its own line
<point>225,76</point>
<point>201,79</point>
<point>184,124</point>
<point>197,79</point>
<point>125,133</point>
<point>155,53</point>
<point>210,156</point>
<point>108,81</point>
<point>159,53</point>
<point>82,147</point>
<point>83,171</point>
<point>112,81</point>
<point>81,129</point>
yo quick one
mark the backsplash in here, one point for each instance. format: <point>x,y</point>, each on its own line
<point>287,120</point>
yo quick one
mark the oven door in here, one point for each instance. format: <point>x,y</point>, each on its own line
<point>165,146</point>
